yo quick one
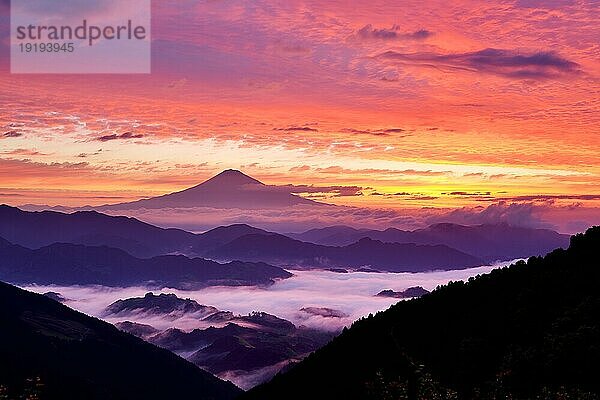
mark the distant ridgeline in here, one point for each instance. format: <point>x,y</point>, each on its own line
<point>529,331</point>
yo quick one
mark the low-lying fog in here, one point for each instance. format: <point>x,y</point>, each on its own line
<point>352,295</point>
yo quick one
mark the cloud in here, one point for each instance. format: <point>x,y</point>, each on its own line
<point>337,191</point>
<point>546,198</point>
<point>330,300</point>
<point>297,129</point>
<point>11,134</point>
<point>377,132</point>
<point>506,63</point>
<point>516,214</point>
<point>123,136</point>
<point>23,152</point>
<point>368,32</point>
<point>11,195</point>
<point>467,194</point>
<point>548,4</point>
<point>422,197</point>
<point>394,130</point>
<point>300,168</point>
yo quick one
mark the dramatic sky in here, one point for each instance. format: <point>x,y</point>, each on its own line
<point>416,104</point>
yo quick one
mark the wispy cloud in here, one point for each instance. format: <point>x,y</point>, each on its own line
<point>297,129</point>
<point>507,63</point>
<point>368,32</point>
<point>11,134</point>
<point>23,152</point>
<point>122,136</point>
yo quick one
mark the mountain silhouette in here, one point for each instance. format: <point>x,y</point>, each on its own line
<point>71,264</point>
<point>529,331</point>
<point>229,189</point>
<point>48,351</point>
<point>162,304</point>
<point>490,242</point>
<point>43,228</point>
<point>328,247</point>
<point>393,257</point>
<point>92,228</point>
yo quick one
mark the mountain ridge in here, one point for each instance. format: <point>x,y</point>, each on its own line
<point>491,242</point>
<point>526,331</point>
<point>392,257</point>
<point>70,264</point>
<point>65,354</point>
<point>484,242</point>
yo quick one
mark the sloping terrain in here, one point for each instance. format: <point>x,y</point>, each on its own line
<point>53,352</point>
<point>528,331</point>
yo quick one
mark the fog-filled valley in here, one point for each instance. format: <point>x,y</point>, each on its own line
<point>320,301</point>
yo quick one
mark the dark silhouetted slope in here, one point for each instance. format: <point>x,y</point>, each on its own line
<point>54,352</point>
<point>530,331</point>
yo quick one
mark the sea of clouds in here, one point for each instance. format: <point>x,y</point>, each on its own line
<point>351,293</point>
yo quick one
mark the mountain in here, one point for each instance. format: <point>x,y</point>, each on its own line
<point>486,242</point>
<point>248,349</point>
<point>337,235</point>
<point>222,235</point>
<point>415,291</point>
<point>166,304</point>
<point>49,351</point>
<point>490,242</point>
<point>136,329</point>
<point>91,228</point>
<point>394,257</point>
<point>229,189</point>
<point>69,264</point>
<point>529,331</point>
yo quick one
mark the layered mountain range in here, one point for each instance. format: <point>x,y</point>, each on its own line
<point>445,246</point>
<point>491,242</point>
<point>74,264</point>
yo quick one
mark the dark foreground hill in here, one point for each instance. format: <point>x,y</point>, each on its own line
<point>530,331</point>
<point>70,264</point>
<point>52,352</point>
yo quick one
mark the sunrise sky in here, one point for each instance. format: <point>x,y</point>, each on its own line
<point>411,104</point>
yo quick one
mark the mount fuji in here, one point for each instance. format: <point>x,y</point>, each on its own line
<point>229,189</point>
